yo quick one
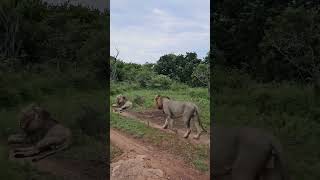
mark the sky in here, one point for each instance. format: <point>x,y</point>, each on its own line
<point>144,30</point>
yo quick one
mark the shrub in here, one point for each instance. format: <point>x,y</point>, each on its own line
<point>160,82</point>
<point>144,78</point>
<point>138,100</point>
<point>92,122</point>
<point>175,86</point>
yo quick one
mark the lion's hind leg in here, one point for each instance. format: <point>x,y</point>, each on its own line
<point>51,152</point>
<point>186,120</point>
<point>199,128</point>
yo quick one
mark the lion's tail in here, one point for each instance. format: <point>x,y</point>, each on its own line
<point>197,113</point>
<point>280,159</point>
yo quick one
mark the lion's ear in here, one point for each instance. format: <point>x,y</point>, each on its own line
<point>157,97</point>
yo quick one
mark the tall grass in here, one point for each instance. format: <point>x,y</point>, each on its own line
<point>286,109</point>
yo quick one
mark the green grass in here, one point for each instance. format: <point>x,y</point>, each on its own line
<point>197,155</point>
<point>199,96</point>
<point>288,110</point>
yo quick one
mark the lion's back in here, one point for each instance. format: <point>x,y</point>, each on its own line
<point>59,130</point>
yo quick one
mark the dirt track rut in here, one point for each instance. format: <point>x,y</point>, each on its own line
<point>148,162</point>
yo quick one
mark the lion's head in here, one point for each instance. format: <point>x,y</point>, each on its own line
<point>121,100</point>
<point>33,117</point>
<point>159,101</point>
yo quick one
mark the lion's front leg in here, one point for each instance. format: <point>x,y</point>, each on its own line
<point>42,145</point>
<point>186,135</point>
<point>17,139</point>
<point>165,126</point>
<point>171,125</point>
<point>23,149</point>
<point>118,110</point>
<point>26,152</point>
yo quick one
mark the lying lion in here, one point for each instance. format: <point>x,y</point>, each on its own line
<point>122,103</point>
<point>174,109</point>
<point>43,135</point>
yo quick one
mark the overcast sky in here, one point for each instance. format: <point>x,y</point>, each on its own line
<point>144,30</point>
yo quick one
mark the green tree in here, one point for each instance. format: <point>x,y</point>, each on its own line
<point>178,67</point>
<point>201,76</point>
<point>291,45</point>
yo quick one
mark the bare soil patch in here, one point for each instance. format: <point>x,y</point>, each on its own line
<point>142,161</point>
<point>68,169</point>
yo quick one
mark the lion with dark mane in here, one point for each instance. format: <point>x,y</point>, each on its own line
<point>42,134</point>
<point>122,103</point>
<point>173,109</point>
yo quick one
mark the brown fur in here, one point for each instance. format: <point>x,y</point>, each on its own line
<point>46,135</point>
<point>174,109</point>
<point>122,103</point>
<point>248,154</point>
<point>158,101</point>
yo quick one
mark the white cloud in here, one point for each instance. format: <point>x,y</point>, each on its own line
<point>158,31</point>
<point>158,12</point>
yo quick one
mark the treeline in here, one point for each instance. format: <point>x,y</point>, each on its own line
<point>38,37</point>
<point>47,47</point>
<point>185,69</point>
<point>270,40</point>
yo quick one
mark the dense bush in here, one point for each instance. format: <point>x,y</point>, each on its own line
<point>286,109</point>
<point>160,82</point>
<point>53,48</point>
<point>139,100</point>
<point>56,39</point>
<point>92,122</point>
<point>144,78</point>
<point>186,69</point>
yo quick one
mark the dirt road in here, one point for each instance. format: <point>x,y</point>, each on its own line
<point>68,169</point>
<point>141,161</point>
<point>156,118</point>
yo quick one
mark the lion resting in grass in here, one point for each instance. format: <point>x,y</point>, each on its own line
<point>122,103</point>
<point>174,109</point>
<point>43,135</point>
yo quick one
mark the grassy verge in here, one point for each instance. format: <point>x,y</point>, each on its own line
<point>197,95</point>
<point>197,155</point>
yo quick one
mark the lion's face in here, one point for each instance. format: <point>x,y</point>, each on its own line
<point>158,102</point>
<point>32,119</point>
<point>121,100</point>
<point>26,119</point>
